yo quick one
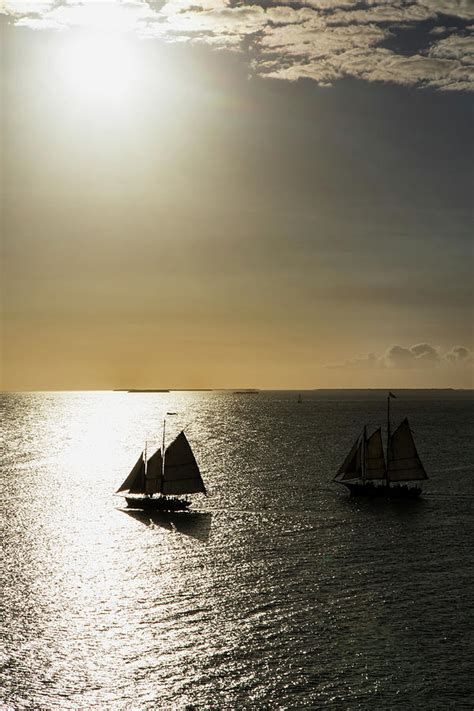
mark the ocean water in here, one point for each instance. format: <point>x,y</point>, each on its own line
<point>277,592</point>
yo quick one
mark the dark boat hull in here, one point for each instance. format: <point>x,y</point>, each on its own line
<point>395,491</point>
<point>161,503</point>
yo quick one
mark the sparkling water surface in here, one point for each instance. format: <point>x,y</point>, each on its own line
<point>276,592</point>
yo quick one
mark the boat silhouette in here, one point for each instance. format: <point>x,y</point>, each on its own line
<point>157,483</point>
<point>365,472</point>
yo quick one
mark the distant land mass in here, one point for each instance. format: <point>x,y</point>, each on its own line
<point>402,393</point>
<point>162,390</point>
<point>138,390</point>
<point>330,393</point>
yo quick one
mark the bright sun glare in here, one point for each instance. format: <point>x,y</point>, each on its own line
<point>99,68</point>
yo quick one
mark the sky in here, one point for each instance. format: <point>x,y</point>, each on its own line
<point>220,194</point>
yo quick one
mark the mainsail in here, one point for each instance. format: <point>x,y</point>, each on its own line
<point>154,473</point>
<point>374,457</point>
<point>351,468</point>
<point>404,464</point>
<point>181,473</point>
<point>135,482</point>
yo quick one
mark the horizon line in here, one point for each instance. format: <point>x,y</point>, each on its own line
<point>236,390</point>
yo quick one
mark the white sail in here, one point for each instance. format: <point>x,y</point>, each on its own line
<point>403,461</point>
<point>351,467</point>
<point>154,470</point>
<point>135,482</point>
<point>181,472</point>
<point>374,457</point>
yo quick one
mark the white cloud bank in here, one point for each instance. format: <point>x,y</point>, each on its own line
<point>324,40</point>
<point>420,356</point>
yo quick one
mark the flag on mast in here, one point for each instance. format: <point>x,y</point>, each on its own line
<point>390,394</point>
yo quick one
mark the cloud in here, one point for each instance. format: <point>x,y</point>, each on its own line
<point>26,7</point>
<point>323,40</point>
<point>389,13</point>
<point>110,15</point>
<point>420,356</point>
<point>463,9</point>
<point>455,47</point>
<point>460,354</point>
<point>367,362</point>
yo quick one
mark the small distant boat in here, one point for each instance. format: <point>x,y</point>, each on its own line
<point>246,392</point>
<point>366,473</point>
<point>157,483</point>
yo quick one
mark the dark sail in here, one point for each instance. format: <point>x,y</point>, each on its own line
<point>135,482</point>
<point>154,473</point>
<point>404,464</point>
<point>374,457</point>
<point>351,468</point>
<point>181,472</point>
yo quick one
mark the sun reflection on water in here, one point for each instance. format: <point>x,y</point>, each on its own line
<point>259,598</point>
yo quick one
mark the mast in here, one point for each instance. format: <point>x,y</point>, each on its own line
<point>163,457</point>
<point>388,429</point>
<point>388,438</point>
<point>390,395</point>
<point>364,452</point>
<point>164,452</point>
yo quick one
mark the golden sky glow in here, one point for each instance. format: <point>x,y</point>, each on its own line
<point>170,222</point>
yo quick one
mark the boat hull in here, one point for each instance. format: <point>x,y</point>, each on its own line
<point>161,503</point>
<point>396,491</point>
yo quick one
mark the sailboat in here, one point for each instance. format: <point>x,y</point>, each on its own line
<point>366,473</point>
<point>159,481</point>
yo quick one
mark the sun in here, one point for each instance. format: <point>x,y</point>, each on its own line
<point>99,68</point>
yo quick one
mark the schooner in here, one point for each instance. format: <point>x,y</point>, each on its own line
<point>157,482</point>
<point>366,473</point>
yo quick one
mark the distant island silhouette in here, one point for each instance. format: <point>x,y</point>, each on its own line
<point>324,393</point>
<point>141,390</point>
